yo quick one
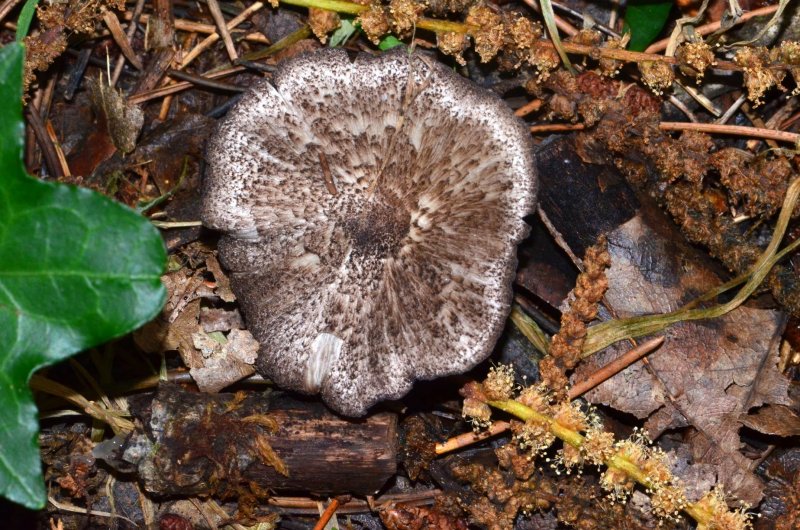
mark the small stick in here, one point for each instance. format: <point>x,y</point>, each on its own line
<point>557,127</point>
<point>327,514</point>
<point>531,106</point>
<point>326,174</point>
<point>252,65</point>
<point>62,160</point>
<point>469,438</point>
<point>204,81</point>
<point>206,29</point>
<point>222,28</point>
<point>74,80</point>
<point>179,87</point>
<point>735,130</point>
<point>615,366</point>
<point>214,37</point>
<point>757,122</point>
<point>304,505</point>
<point>176,224</point>
<point>608,30</point>
<point>6,7</point>
<point>678,104</point>
<point>790,121</point>
<point>561,24</point>
<point>731,110</point>
<point>134,20</point>
<point>711,27</point>
<point>40,131</point>
<point>282,44</point>
<point>166,103</point>
<point>111,20</point>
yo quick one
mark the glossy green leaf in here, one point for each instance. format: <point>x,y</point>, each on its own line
<point>25,18</point>
<point>389,42</point>
<point>346,30</point>
<point>645,19</point>
<point>76,269</point>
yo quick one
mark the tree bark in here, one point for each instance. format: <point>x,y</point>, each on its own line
<point>191,443</point>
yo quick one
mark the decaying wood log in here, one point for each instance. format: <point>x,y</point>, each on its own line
<point>190,443</point>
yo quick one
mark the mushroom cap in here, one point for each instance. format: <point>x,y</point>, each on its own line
<point>370,211</point>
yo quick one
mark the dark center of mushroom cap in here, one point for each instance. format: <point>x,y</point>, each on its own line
<point>377,231</point>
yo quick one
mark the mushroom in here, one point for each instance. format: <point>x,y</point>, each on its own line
<point>370,210</point>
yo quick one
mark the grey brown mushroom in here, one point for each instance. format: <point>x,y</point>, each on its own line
<point>370,212</point>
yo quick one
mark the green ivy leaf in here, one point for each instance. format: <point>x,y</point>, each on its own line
<point>76,269</point>
<point>346,30</point>
<point>645,19</point>
<point>25,18</point>
<point>389,42</point>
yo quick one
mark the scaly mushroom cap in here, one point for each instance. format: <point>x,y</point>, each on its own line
<point>370,212</point>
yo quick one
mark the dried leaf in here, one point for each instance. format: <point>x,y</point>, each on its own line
<point>124,121</point>
<point>216,319</point>
<point>707,373</point>
<point>223,288</point>
<point>778,420</point>
<point>225,365</point>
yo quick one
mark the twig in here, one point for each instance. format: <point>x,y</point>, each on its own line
<point>707,29</point>
<point>615,366</point>
<point>176,224</point>
<point>77,72</point>
<point>557,127</point>
<point>608,30</point>
<point>214,37</point>
<point>134,20</point>
<point>790,121</point>
<point>436,25</point>
<point>6,7</point>
<point>179,87</point>
<point>735,130</point>
<point>252,65</point>
<point>327,514</point>
<point>64,507</point>
<point>678,104</point>
<point>206,29</point>
<point>531,106</point>
<point>304,505</point>
<point>731,110</point>
<point>701,98</point>
<point>282,44</point>
<point>48,150</point>
<point>62,160</point>
<point>204,81</point>
<point>758,123</point>
<point>111,20</point>
<point>469,438</point>
<point>222,28</point>
<point>561,24</point>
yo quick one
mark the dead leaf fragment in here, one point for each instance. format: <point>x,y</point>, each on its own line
<point>707,373</point>
<point>777,420</point>
<point>124,120</point>
<point>223,288</point>
<point>219,319</point>
<point>226,365</point>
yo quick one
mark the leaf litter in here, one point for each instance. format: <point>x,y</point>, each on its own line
<point>705,395</point>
